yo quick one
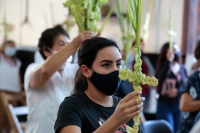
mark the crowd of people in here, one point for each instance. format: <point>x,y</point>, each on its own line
<point>88,96</point>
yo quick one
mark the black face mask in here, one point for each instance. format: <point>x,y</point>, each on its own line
<point>106,83</point>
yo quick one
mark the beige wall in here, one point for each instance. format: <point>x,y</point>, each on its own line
<point>40,17</point>
<point>155,42</point>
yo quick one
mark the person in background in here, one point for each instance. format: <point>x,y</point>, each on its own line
<point>171,75</point>
<point>190,98</point>
<point>92,107</point>
<point>47,83</point>
<point>10,79</point>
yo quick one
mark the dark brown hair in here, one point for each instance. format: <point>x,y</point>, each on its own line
<point>48,37</point>
<point>197,50</point>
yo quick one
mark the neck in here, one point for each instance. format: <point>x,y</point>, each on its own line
<point>9,58</point>
<point>98,97</point>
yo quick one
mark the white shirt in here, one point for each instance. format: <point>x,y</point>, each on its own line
<point>43,104</point>
<point>9,75</point>
<point>38,57</point>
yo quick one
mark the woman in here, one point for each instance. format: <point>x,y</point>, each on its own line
<point>92,107</point>
<point>190,98</point>
<point>48,82</point>
<point>171,75</point>
<point>9,68</point>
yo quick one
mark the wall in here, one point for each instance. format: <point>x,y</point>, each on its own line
<point>46,13</point>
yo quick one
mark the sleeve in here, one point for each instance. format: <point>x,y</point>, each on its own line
<point>190,88</point>
<point>187,86</point>
<point>183,80</point>
<point>29,71</point>
<point>198,117</point>
<point>68,114</point>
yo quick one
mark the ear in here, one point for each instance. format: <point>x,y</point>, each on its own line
<point>86,71</point>
<point>46,52</point>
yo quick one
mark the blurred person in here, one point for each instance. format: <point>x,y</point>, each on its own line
<point>171,75</point>
<point>190,98</point>
<point>10,79</point>
<point>48,82</point>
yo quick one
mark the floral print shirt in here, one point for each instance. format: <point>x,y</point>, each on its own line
<point>192,87</point>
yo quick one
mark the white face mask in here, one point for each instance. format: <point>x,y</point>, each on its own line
<point>10,51</point>
<point>175,68</point>
<point>69,60</point>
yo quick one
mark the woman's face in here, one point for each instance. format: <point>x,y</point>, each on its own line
<point>107,60</point>
<point>59,42</point>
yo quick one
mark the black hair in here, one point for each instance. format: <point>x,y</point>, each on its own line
<point>162,56</point>
<point>197,50</point>
<point>48,37</point>
<point>177,56</point>
<point>8,42</point>
<point>86,55</point>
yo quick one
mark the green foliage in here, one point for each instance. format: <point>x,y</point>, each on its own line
<point>86,13</point>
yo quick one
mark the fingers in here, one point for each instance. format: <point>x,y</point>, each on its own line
<point>98,34</point>
<point>135,102</point>
<point>135,108</point>
<point>135,113</point>
<point>130,96</point>
<point>87,32</point>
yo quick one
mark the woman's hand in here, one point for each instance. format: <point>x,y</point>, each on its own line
<point>128,108</point>
<point>82,37</point>
<point>172,92</point>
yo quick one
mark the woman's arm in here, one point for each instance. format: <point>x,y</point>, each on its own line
<point>44,72</point>
<point>187,104</point>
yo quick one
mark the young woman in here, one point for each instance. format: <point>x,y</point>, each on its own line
<point>190,99</point>
<point>47,83</point>
<point>92,107</point>
<point>171,75</point>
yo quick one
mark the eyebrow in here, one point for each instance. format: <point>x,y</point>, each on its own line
<point>61,41</point>
<point>110,61</point>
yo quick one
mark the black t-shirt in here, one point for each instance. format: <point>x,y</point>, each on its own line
<point>168,80</point>
<point>79,110</point>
